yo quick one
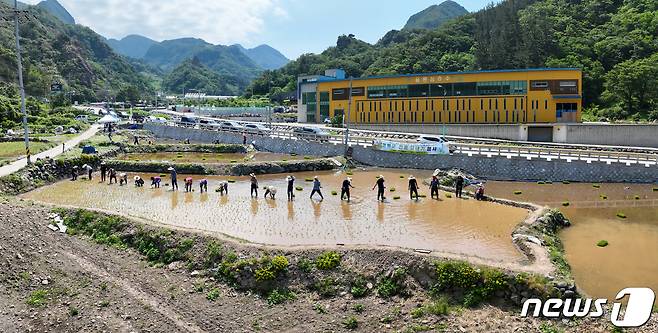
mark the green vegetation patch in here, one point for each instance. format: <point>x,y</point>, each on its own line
<point>602,243</point>
<point>327,260</point>
<point>518,192</point>
<point>621,215</point>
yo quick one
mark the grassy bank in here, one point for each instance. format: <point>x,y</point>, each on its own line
<point>279,276</point>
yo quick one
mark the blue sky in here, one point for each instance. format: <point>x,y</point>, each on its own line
<point>291,26</point>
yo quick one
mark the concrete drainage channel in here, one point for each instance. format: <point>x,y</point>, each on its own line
<point>492,168</point>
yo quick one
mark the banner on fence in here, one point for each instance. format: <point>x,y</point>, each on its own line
<point>414,148</point>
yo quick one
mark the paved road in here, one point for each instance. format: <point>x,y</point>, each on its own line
<point>19,164</point>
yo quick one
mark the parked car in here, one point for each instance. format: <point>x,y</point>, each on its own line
<point>209,123</point>
<point>231,126</point>
<point>188,120</point>
<point>311,133</point>
<point>154,119</point>
<point>82,117</point>
<point>435,140</point>
<point>255,128</point>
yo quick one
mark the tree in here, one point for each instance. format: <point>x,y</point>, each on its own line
<point>128,94</point>
<point>633,84</point>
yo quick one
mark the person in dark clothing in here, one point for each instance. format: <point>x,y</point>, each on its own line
<point>74,173</point>
<point>380,188</point>
<point>174,178</point>
<point>136,140</point>
<point>203,185</point>
<point>155,182</point>
<point>254,185</point>
<point>413,187</point>
<point>345,189</point>
<point>244,139</point>
<point>188,184</point>
<point>103,171</point>
<point>291,187</point>
<point>113,175</point>
<point>139,182</point>
<point>316,188</point>
<point>459,186</point>
<point>434,187</point>
<point>90,170</point>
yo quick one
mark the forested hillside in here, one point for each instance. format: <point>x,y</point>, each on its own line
<point>614,41</point>
<point>72,55</point>
<point>193,74</point>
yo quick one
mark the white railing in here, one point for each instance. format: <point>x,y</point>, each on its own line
<point>366,139</point>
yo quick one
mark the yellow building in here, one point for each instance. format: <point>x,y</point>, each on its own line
<point>546,95</point>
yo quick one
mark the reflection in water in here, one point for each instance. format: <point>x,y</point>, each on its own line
<point>457,226</point>
<point>630,258</point>
<point>189,198</point>
<point>203,197</point>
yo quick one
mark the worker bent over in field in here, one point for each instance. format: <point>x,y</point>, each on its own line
<point>155,182</point>
<point>203,185</point>
<point>113,175</point>
<point>271,191</point>
<point>188,184</point>
<point>139,182</point>
<point>345,189</point>
<point>380,188</point>
<point>413,187</point>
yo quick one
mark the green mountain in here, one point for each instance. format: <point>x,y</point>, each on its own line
<point>57,10</point>
<point>134,46</point>
<point>614,42</point>
<point>192,74</point>
<point>265,56</point>
<point>434,16</point>
<point>72,55</point>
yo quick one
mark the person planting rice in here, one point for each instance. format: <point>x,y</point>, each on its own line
<point>188,184</point>
<point>89,170</point>
<point>139,182</point>
<point>345,189</point>
<point>271,191</point>
<point>113,175</point>
<point>434,187</point>
<point>203,185</point>
<point>316,188</point>
<point>174,178</point>
<point>223,188</point>
<point>291,186</point>
<point>103,171</point>
<point>74,173</point>
<point>155,182</point>
<point>413,187</point>
<point>123,179</point>
<point>254,185</point>
<point>380,187</point>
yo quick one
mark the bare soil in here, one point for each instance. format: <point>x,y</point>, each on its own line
<point>95,288</point>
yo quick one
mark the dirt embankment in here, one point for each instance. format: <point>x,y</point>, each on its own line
<point>61,283</point>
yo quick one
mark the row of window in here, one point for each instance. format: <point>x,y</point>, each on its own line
<point>507,116</point>
<point>449,89</point>
<point>444,104</point>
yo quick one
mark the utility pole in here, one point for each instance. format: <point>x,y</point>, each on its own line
<point>346,121</point>
<point>20,82</point>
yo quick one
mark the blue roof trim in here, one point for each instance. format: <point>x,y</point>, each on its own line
<point>451,73</point>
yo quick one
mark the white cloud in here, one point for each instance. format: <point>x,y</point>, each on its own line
<point>216,21</point>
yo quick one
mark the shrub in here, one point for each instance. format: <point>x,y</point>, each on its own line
<point>417,313</point>
<point>280,263</point>
<point>213,294</point>
<point>391,286</point>
<point>350,323</point>
<point>213,254</point>
<point>456,274</point>
<point>327,260</point>
<point>602,243</point>
<point>38,298</point>
<point>326,287</point>
<point>319,308</point>
<point>439,307</point>
<point>359,287</point>
<point>358,308</point>
<point>264,274</point>
<point>278,296</point>
<point>73,311</point>
<point>305,265</point>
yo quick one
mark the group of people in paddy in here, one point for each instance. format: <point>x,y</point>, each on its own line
<point>121,178</point>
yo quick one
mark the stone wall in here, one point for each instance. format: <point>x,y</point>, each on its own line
<point>493,168</point>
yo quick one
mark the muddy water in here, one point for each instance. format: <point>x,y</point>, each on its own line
<point>183,157</point>
<point>630,259</point>
<point>452,225</point>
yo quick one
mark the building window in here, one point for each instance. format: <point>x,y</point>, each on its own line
<point>540,84</point>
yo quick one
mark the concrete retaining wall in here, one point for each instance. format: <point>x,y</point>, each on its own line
<point>596,134</point>
<point>494,168</point>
